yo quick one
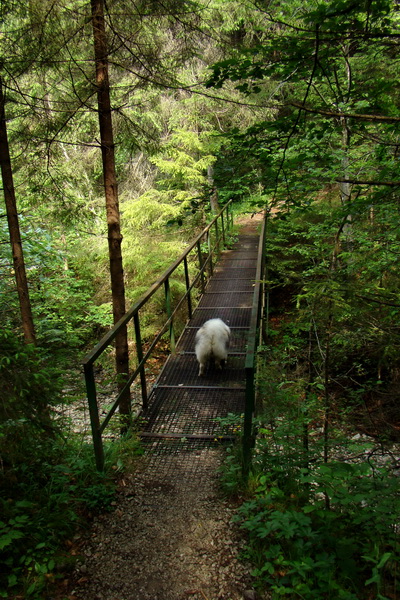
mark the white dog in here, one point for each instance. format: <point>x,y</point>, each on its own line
<point>212,341</point>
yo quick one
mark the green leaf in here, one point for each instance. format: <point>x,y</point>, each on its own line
<point>384,560</point>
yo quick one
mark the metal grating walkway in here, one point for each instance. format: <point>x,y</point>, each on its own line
<point>183,409</point>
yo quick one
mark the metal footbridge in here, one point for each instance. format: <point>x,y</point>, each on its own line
<point>182,413</point>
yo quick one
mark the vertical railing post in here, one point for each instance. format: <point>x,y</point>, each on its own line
<point>210,253</point>
<point>223,229</point>
<point>200,257</point>
<point>94,415</point>
<point>168,304</point>
<point>217,236</point>
<point>187,281</point>
<point>248,422</point>
<point>139,354</point>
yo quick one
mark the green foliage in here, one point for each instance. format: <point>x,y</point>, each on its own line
<point>48,481</point>
<point>289,112</point>
<point>30,387</point>
<point>49,500</point>
<point>61,292</point>
<point>344,289</point>
<point>300,547</point>
<point>165,142</point>
<point>185,160</point>
<point>322,506</point>
<point>316,62</point>
<point>154,210</point>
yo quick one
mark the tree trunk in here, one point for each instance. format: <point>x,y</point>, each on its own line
<point>111,195</point>
<point>13,227</point>
<point>345,188</point>
<point>213,191</point>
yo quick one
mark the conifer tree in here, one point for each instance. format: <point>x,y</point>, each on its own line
<point>111,193</point>
<point>13,227</point>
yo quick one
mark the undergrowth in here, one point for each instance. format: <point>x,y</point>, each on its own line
<point>49,485</point>
<point>315,529</point>
<point>322,503</point>
<point>47,504</point>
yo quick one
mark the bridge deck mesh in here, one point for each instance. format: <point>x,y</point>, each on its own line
<point>234,317</point>
<point>182,422</point>
<point>182,369</point>
<point>230,285</point>
<point>227,299</point>
<point>191,411</point>
<point>221,272</point>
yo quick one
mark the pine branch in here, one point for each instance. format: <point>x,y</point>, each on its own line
<point>377,301</point>
<point>329,113</point>
<point>369,182</point>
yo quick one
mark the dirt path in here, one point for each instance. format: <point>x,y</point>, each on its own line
<point>169,538</point>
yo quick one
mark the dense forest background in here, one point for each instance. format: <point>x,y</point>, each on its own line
<point>291,105</point>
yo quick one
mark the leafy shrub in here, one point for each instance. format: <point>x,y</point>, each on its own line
<point>46,506</point>
<point>49,484</point>
<point>319,526</point>
<point>302,549</point>
<point>30,386</point>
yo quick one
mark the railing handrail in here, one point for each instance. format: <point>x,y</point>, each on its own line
<point>133,313</point>
<point>91,356</point>
<point>255,311</point>
<point>252,344</point>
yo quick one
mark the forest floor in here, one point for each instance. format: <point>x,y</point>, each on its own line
<point>169,537</point>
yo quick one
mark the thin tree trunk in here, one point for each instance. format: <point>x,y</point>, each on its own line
<point>111,194</point>
<point>327,402</point>
<point>13,227</point>
<point>213,191</point>
<point>345,187</point>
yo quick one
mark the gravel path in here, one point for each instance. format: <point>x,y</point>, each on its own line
<point>169,538</point>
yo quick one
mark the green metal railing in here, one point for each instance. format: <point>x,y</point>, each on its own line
<point>252,345</point>
<point>203,251</point>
